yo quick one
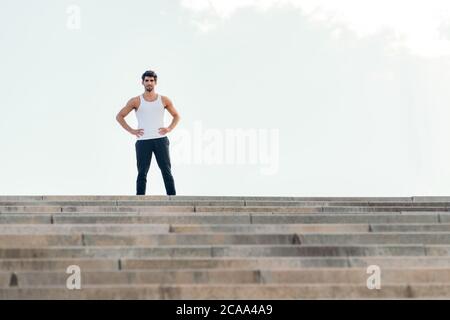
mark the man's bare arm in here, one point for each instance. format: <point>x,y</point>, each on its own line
<point>131,104</point>
<point>176,116</point>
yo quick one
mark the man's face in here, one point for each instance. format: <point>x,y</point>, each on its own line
<point>149,83</point>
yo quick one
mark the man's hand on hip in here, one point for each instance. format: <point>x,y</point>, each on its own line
<point>137,132</point>
<point>164,130</point>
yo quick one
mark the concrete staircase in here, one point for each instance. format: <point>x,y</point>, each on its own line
<point>192,247</point>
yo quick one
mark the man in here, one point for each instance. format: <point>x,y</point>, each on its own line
<point>151,133</point>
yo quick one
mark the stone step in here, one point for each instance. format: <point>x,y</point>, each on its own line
<point>430,198</point>
<point>36,229</point>
<point>206,197</point>
<point>5,278</point>
<point>110,203</point>
<point>377,238</point>
<point>213,203</point>
<point>312,228</point>
<point>206,218</point>
<point>417,227</point>
<point>222,251</point>
<point>195,239</point>
<point>338,204</point>
<point>320,209</point>
<point>62,240</point>
<point>152,218</point>
<point>107,264</point>
<point>231,228</point>
<point>225,218</point>
<point>191,239</point>
<point>40,240</point>
<point>166,214</point>
<point>218,208</point>
<point>36,264</point>
<point>58,279</point>
<point>349,218</point>
<point>226,276</point>
<point>235,292</point>
<point>93,209</point>
<point>285,262</point>
<point>247,219</point>
<point>187,197</point>
<point>25,219</point>
<point>274,228</point>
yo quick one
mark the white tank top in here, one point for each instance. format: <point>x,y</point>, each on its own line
<point>150,117</point>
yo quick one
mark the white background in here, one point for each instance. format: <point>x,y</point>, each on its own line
<point>359,93</point>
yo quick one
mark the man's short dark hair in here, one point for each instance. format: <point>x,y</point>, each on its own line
<point>149,73</point>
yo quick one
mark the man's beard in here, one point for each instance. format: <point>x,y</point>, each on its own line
<point>149,90</point>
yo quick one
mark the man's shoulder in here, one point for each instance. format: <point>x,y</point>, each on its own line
<point>165,100</point>
<point>135,101</point>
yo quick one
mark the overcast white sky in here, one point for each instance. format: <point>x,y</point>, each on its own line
<point>344,97</point>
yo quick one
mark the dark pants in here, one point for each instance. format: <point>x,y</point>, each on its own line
<point>144,150</point>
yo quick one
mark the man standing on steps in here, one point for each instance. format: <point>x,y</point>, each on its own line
<point>151,133</point>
